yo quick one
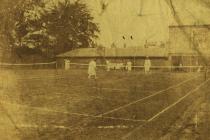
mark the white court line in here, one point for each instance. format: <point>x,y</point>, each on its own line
<point>44,78</point>
<point>121,89</point>
<point>147,97</point>
<point>178,101</point>
<point>65,112</point>
<point>94,87</point>
<point>167,108</point>
<point>113,89</point>
<point>42,126</point>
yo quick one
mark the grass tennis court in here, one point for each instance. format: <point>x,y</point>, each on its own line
<point>60,104</point>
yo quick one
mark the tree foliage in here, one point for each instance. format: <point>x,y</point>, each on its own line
<point>51,27</point>
<point>70,25</point>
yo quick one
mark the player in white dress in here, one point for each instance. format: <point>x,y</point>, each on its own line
<point>92,69</point>
<point>129,66</point>
<point>147,65</point>
<point>67,64</point>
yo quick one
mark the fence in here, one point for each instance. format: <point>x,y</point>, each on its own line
<point>117,66</point>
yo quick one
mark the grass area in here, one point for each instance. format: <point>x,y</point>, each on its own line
<point>51,99</point>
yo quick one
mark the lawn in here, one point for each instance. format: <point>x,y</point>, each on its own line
<point>58,104</point>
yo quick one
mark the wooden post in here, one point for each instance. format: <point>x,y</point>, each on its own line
<point>170,62</point>
<point>56,65</point>
<point>206,72</point>
<point>96,87</point>
<point>191,63</point>
<point>100,89</point>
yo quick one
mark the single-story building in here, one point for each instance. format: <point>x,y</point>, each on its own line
<point>137,55</point>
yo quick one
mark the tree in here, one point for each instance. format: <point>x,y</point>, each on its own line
<point>7,26</point>
<point>70,26</point>
<point>52,29</point>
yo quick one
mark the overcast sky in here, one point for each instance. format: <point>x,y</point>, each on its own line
<point>121,19</point>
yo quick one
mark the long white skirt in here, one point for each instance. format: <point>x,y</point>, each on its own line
<point>91,71</point>
<point>147,68</point>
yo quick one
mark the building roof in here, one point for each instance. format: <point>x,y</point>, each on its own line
<point>116,52</point>
<point>179,26</point>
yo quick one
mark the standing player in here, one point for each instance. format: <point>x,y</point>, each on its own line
<point>129,66</point>
<point>107,65</point>
<point>147,65</point>
<point>199,68</point>
<point>92,69</point>
<point>67,64</point>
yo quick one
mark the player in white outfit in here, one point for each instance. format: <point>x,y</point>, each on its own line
<point>129,66</point>
<point>92,69</point>
<point>147,65</point>
<point>67,64</point>
<point>107,65</point>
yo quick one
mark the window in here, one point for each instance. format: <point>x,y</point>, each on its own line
<point>199,39</point>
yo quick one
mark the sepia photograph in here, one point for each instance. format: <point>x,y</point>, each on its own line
<point>104,69</point>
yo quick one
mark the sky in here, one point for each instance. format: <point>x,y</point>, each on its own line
<point>121,18</point>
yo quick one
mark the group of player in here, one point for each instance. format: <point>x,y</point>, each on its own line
<point>92,67</point>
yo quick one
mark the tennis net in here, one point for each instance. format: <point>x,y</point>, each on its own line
<point>50,65</point>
